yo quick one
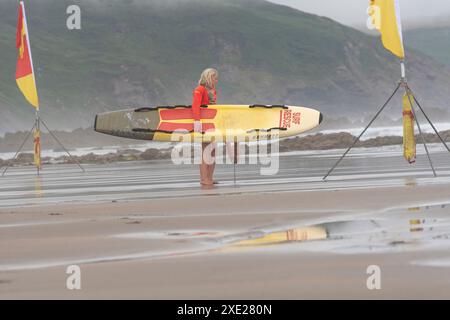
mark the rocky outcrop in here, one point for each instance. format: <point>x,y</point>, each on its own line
<point>314,142</point>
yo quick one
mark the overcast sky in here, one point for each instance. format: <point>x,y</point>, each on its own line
<point>353,12</point>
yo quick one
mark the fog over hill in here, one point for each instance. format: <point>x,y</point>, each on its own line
<point>146,53</point>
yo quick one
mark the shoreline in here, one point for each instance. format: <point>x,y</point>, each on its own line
<point>316,142</point>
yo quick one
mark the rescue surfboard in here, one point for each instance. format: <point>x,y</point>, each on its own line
<point>240,122</point>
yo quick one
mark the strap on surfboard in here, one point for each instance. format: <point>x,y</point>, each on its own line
<point>275,106</point>
<point>148,109</point>
<point>270,129</point>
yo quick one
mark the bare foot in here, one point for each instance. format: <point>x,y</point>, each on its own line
<point>207,186</point>
<point>207,183</point>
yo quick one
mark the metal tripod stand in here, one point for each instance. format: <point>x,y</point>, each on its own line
<point>402,83</point>
<point>37,123</point>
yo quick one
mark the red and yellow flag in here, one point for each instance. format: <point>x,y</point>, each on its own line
<point>37,148</point>
<point>25,72</point>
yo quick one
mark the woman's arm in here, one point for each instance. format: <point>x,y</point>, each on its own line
<point>196,103</point>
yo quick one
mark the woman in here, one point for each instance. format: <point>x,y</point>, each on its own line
<point>205,94</point>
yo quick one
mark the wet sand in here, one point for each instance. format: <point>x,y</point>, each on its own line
<point>231,246</point>
<point>146,230</point>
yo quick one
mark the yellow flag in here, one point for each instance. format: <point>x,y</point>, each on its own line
<point>37,148</point>
<point>385,17</point>
<point>409,140</point>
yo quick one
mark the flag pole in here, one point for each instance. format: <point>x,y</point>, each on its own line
<point>235,160</point>
<point>38,128</point>
<point>403,69</point>
<point>394,43</point>
<point>408,92</point>
<point>33,98</point>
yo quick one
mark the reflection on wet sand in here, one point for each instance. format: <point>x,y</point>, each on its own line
<point>38,187</point>
<point>419,224</point>
<point>411,182</point>
<point>383,232</point>
<point>401,230</point>
<point>423,225</point>
<point>292,235</point>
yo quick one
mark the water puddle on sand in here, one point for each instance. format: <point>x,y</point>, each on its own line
<point>399,230</point>
<point>170,235</point>
<point>396,230</point>
<point>415,229</point>
<point>438,263</point>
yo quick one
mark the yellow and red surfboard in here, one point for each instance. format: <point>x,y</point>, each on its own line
<point>219,122</point>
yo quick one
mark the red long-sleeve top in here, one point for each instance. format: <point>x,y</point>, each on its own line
<point>200,97</point>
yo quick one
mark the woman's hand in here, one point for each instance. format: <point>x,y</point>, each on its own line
<point>197,126</point>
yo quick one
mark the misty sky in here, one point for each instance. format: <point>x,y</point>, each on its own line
<point>352,12</point>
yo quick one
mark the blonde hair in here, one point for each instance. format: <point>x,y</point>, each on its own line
<point>206,77</point>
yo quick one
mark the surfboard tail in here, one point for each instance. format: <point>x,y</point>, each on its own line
<point>124,123</point>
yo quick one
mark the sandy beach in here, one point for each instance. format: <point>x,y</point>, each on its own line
<point>217,244</point>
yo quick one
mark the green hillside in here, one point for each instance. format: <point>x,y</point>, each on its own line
<point>131,53</point>
<point>434,42</point>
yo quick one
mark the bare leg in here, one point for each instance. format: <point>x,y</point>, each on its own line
<point>212,166</point>
<point>205,175</point>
